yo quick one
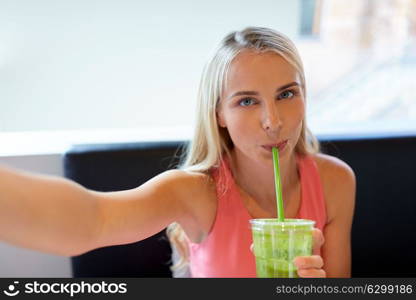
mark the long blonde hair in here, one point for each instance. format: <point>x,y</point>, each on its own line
<point>210,141</point>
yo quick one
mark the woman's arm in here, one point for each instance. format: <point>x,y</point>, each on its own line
<point>133,215</point>
<point>46,213</point>
<point>339,189</point>
<point>55,215</point>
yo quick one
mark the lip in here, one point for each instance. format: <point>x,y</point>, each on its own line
<point>280,146</point>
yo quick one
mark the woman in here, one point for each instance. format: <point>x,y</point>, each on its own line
<point>251,98</point>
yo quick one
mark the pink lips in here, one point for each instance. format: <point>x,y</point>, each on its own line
<point>279,146</point>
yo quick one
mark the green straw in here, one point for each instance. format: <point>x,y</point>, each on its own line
<point>278,185</point>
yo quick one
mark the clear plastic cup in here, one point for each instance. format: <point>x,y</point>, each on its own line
<point>276,244</point>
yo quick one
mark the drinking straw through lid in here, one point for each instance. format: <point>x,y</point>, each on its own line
<point>278,185</point>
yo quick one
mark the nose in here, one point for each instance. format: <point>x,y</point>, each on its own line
<point>272,121</point>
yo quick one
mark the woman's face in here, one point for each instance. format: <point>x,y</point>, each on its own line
<point>262,104</point>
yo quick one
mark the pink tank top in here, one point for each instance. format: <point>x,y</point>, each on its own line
<point>225,252</point>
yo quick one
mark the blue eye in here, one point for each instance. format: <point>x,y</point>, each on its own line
<point>286,95</point>
<point>246,102</point>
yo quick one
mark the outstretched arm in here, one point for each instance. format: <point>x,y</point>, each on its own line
<point>133,215</point>
<point>56,215</point>
<point>46,213</point>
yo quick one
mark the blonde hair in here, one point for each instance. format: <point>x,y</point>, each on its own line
<point>210,141</point>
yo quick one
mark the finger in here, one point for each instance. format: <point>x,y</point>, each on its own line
<point>251,247</point>
<point>308,262</point>
<point>312,273</point>
<point>318,240</point>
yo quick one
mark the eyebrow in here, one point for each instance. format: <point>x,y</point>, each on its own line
<point>254,93</point>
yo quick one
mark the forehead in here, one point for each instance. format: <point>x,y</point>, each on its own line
<point>249,69</point>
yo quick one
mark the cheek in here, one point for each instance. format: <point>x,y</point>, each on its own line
<point>240,125</point>
<point>294,122</point>
<point>298,114</point>
<point>237,124</point>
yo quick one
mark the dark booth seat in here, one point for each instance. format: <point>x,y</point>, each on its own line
<point>383,233</point>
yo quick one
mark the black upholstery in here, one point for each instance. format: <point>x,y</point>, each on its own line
<point>383,233</point>
<point>384,227</point>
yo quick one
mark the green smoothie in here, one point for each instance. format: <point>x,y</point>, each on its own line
<point>277,243</point>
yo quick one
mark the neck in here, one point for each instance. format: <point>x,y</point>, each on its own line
<point>257,179</point>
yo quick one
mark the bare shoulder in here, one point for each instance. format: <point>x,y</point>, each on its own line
<point>197,194</point>
<point>190,185</point>
<point>339,184</point>
<point>333,170</point>
<point>189,181</point>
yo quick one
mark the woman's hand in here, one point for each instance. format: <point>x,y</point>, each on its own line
<point>311,266</point>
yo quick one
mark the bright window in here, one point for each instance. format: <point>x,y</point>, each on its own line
<point>72,65</point>
<point>361,65</point>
